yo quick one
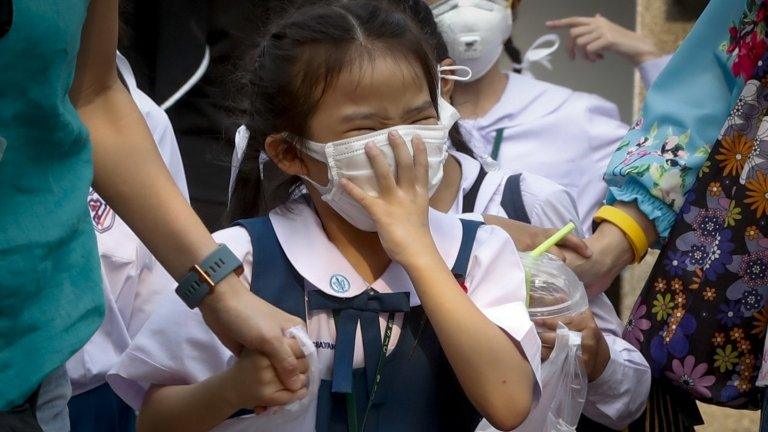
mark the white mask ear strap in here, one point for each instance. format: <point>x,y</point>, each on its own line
<point>241,142</point>
<point>466,70</point>
<point>540,54</point>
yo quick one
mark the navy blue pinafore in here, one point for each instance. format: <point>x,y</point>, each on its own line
<point>418,390</point>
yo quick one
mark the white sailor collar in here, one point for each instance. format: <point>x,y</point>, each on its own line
<point>470,169</point>
<point>126,71</point>
<point>525,100</point>
<point>320,263</point>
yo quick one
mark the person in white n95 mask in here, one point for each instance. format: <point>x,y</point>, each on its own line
<point>529,125</point>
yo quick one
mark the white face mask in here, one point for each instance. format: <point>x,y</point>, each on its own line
<point>347,158</point>
<point>475,31</point>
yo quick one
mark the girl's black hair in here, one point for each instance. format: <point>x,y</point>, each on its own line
<point>514,54</point>
<point>510,48</point>
<point>420,12</point>
<point>297,61</point>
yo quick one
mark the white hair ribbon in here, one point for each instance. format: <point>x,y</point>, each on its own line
<point>538,53</point>
<point>241,142</point>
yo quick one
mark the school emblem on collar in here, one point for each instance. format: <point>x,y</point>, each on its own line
<point>339,284</point>
<point>102,216</point>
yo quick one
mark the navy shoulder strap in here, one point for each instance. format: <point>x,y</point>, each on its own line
<point>273,279</point>
<point>512,200</point>
<point>470,198</point>
<point>468,234</point>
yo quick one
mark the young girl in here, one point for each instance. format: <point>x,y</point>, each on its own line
<point>523,123</point>
<point>418,318</point>
<point>619,375</point>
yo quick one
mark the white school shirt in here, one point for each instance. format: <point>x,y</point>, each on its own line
<point>557,133</point>
<point>176,347</point>
<point>133,280</point>
<point>618,396</point>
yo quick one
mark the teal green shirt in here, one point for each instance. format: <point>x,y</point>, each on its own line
<point>51,300</point>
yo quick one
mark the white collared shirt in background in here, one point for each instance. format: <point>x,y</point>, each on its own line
<point>619,395</point>
<point>557,133</point>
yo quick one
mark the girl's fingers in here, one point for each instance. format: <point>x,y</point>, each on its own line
<point>357,194</point>
<point>571,48</point>
<point>545,353</point>
<point>303,366</point>
<point>547,323</point>
<point>584,40</point>
<point>548,339</point>
<point>384,177</point>
<point>420,163</point>
<point>578,31</point>
<point>569,22</point>
<point>596,47</point>
<point>403,159</point>
<point>303,363</point>
<point>282,397</point>
<point>293,344</point>
<point>547,344</point>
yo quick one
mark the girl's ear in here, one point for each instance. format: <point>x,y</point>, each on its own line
<point>285,154</point>
<point>447,84</point>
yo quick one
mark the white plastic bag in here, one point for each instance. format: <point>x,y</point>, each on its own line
<point>555,292</point>
<point>564,388</point>
<point>564,372</point>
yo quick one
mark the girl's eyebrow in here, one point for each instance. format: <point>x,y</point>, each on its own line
<point>423,106</point>
<point>362,115</point>
<point>368,115</point>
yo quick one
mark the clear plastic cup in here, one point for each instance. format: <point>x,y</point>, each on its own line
<point>554,291</point>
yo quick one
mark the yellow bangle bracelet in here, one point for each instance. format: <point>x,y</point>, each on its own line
<point>631,229</point>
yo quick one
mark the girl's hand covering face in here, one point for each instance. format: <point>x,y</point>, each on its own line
<point>401,209</point>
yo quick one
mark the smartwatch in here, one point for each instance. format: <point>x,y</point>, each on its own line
<point>202,278</point>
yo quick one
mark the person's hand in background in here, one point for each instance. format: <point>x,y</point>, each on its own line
<point>592,37</point>
<point>528,237</point>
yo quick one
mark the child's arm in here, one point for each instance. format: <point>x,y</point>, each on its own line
<point>250,383</point>
<point>618,396</point>
<point>491,368</point>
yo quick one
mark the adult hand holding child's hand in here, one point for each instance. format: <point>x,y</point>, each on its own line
<point>254,383</point>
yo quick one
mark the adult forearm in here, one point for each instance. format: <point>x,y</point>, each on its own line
<point>131,176</point>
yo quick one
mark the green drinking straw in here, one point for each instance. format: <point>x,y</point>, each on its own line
<point>541,249</point>
<point>555,239</point>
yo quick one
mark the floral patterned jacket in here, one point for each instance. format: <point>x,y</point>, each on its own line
<point>710,286</point>
<point>658,160</point>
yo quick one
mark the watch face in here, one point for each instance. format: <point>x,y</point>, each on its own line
<point>6,16</point>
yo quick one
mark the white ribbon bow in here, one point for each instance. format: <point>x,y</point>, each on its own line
<point>538,53</point>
